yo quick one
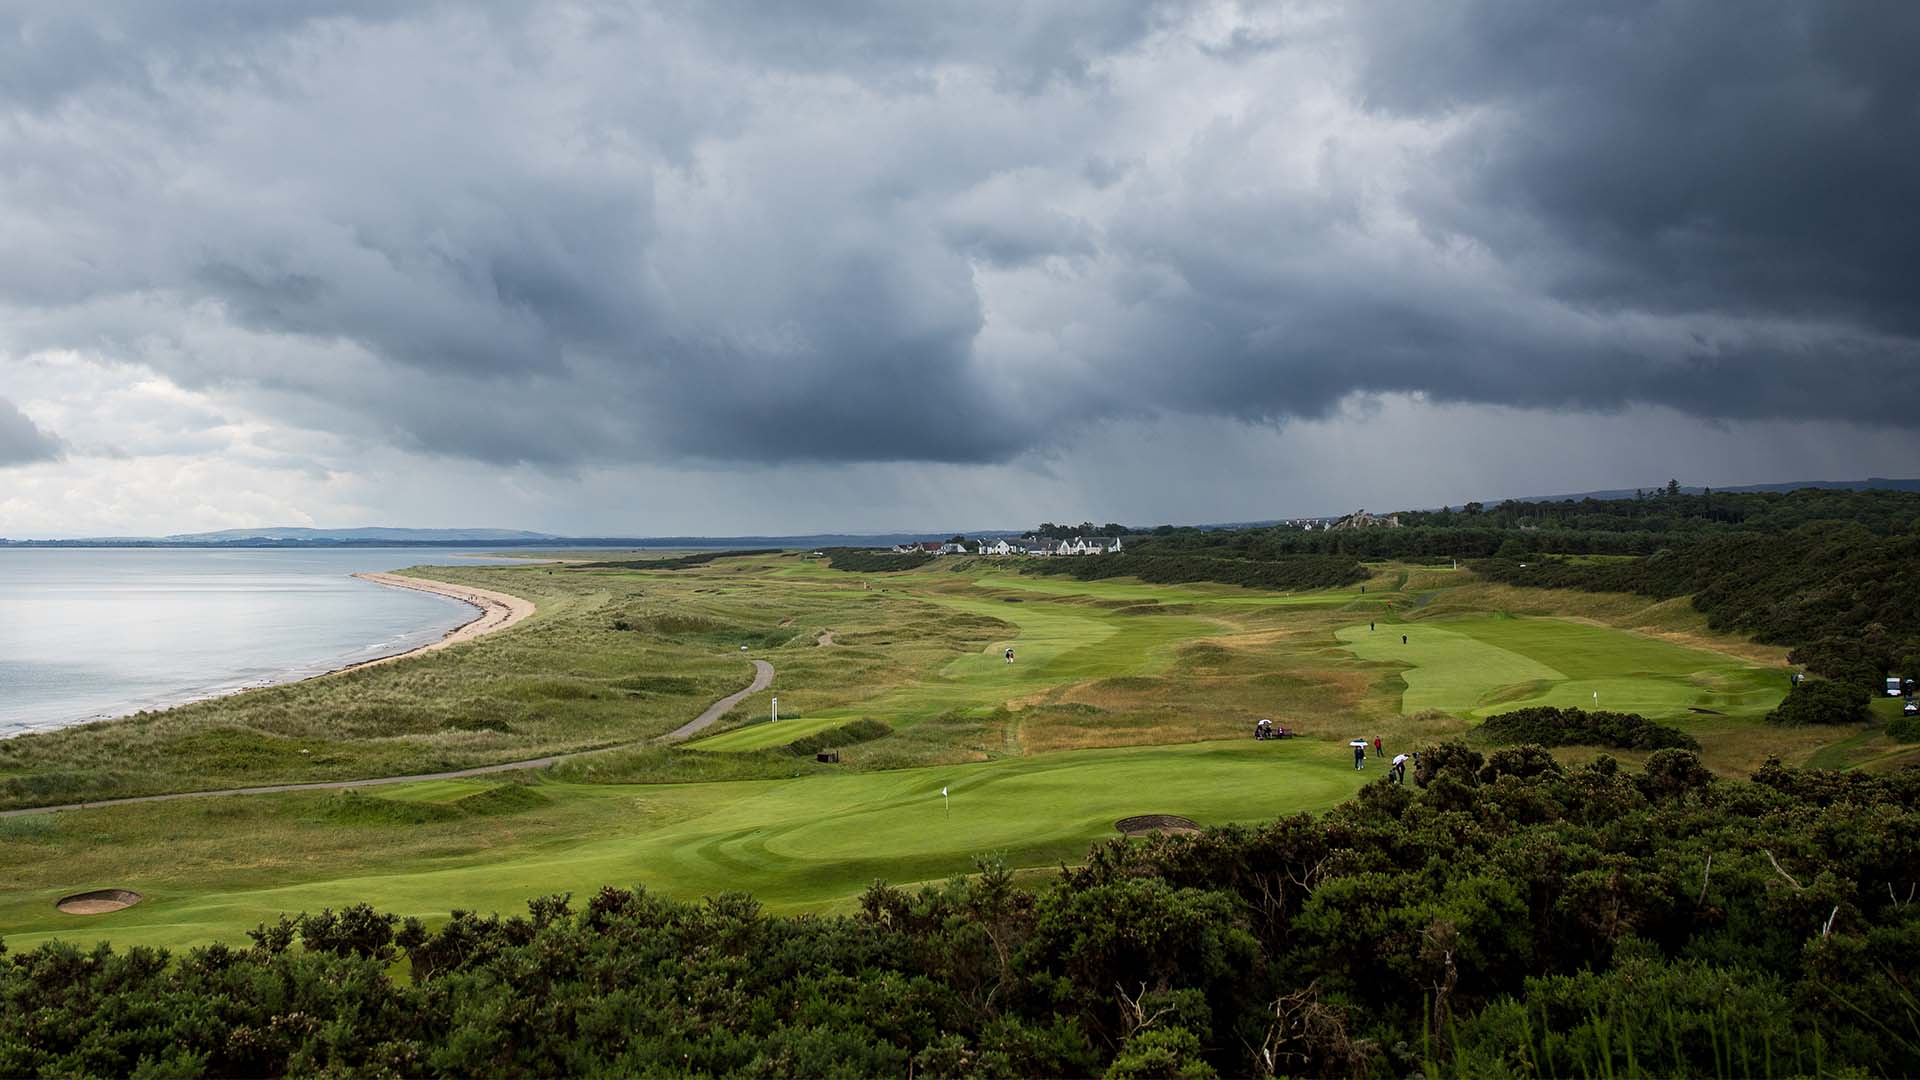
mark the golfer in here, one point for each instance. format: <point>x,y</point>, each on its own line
<point>1359,754</point>
<point>1009,654</point>
<point>1398,770</point>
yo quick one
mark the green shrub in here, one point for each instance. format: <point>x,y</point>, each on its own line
<point>1904,729</point>
<point>862,561</point>
<point>1288,573</point>
<point>1821,701</point>
<point>1545,725</point>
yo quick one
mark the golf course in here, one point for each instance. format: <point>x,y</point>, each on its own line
<point>1125,698</point>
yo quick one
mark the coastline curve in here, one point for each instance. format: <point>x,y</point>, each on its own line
<point>494,611</point>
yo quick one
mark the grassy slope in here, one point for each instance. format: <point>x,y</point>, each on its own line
<point>1478,665</point>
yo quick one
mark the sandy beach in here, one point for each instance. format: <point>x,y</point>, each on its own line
<point>497,611</point>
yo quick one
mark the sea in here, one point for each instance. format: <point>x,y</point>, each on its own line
<point>92,633</point>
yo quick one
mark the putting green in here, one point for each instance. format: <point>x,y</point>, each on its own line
<point>810,843</point>
<point>1478,665</point>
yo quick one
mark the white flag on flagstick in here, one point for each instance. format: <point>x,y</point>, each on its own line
<point>943,793</point>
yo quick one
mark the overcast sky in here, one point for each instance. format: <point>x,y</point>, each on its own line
<point>718,267</point>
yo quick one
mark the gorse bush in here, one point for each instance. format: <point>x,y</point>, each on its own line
<point>674,562</point>
<point>1505,917</point>
<point>1821,701</point>
<point>1300,572</point>
<point>1545,725</point>
<point>860,561</point>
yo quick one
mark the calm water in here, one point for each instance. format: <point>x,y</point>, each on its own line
<point>91,633</point>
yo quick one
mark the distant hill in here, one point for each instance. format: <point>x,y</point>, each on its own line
<point>405,535</point>
<point>1870,484</point>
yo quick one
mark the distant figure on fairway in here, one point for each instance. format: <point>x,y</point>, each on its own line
<point>1359,755</point>
<point>1398,770</point>
<point>1403,639</point>
<point>1376,746</point>
<point>1009,654</point>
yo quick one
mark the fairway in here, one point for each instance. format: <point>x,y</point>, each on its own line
<point>811,843</point>
<point>1125,698</point>
<point>1478,665</point>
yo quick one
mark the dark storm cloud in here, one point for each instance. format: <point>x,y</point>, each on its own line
<point>847,232</point>
<point>21,440</point>
<point>1757,157</point>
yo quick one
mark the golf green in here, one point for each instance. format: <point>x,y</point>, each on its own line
<point>1477,665</point>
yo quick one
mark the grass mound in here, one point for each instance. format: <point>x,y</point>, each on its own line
<point>859,731</point>
<point>353,809</point>
<point>501,800</point>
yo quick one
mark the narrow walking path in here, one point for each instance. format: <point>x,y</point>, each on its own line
<point>762,678</point>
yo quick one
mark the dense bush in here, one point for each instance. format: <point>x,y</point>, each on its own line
<point>674,562</point>
<point>1904,729</point>
<point>1506,917</point>
<point>1303,572</point>
<point>861,561</point>
<point>862,730</point>
<point>1821,701</point>
<point>1545,725</point>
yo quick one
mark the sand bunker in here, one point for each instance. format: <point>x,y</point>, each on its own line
<point>97,902</point>
<point>1142,824</point>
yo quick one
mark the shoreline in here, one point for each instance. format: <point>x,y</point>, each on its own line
<point>494,611</point>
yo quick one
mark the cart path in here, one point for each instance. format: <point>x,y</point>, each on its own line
<point>762,678</point>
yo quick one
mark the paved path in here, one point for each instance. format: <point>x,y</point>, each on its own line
<point>762,678</point>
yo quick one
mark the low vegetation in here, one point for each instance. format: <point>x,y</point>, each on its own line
<point>1514,918</point>
<point>1821,701</point>
<point>1288,574</point>
<point>1548,726</point>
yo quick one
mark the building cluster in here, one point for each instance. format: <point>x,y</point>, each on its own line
<point>1026,545</point>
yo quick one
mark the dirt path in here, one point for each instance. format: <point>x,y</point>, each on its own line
<point>825,638</point>
<point>497,612</point>
<point>762,678</point>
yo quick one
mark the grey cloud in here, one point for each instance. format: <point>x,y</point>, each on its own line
<point>571,235</point>
<point>1755,157</point>
<point>22,441</point>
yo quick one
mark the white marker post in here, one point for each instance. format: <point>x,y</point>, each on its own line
<point>776,708</point>
<point>945,802</point>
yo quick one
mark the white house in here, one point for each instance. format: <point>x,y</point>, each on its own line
<point>1000,547</point>
<point>952,548</point>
